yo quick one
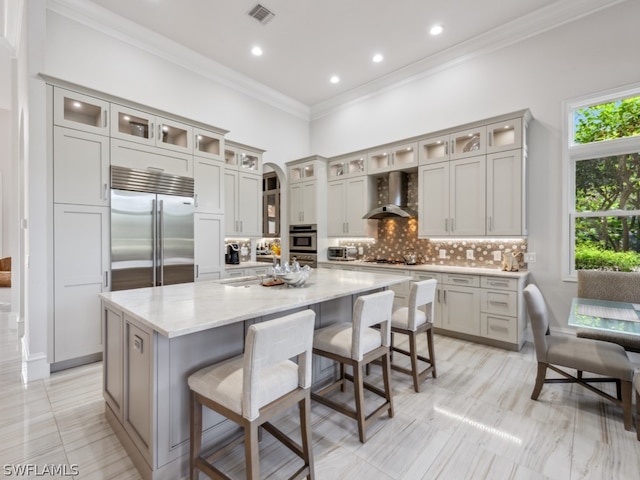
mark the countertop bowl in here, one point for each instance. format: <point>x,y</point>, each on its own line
<point>294,277</point>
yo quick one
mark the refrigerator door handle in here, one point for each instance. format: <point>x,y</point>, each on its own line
<point>154,228</point>
<point>161,240</point>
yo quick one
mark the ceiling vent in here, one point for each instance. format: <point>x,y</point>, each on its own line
<point>261,14</point>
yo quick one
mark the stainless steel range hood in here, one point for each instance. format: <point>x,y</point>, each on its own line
<point>397,206</point>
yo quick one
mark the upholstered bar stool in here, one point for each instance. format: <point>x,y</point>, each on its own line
<point>412,321</point>
<point>253,388</point>
<point>356,344</point>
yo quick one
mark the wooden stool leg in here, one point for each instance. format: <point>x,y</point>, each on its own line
<point>626,405</point>
<point>432,355</point>
<point>413,355</point>
<point>386,377</point>
<point>358,385</point>
<point>251,449</point>
<point>542,373</point>
<point>305,432</point>
<point>196,435</point>
<point>342,377</point>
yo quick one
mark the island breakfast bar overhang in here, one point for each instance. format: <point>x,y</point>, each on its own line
<point>154,338</point>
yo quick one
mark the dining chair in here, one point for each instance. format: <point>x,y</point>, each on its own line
<point>615,287</point>
<point>636,382</point>
<point>411,321</point>
<point>253,388</point>
<point>356,344</point>
<point>582,354</point>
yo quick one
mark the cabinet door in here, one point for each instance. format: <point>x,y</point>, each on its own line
<point>468,143</point>
<point>433,149</point>
<point>309,203</point>
<point>80,167</point>
<point>80,112</point>
<point>467,196</point>
<point>132,125</point>
<point>433,200</point>
<point>461,309</point>
<point>174,135</point>
<point>250,204</point>
<point>113,378</point>
<point>208,185</point>
<point>81,272</point>
<point>336,209</point>
<point>505,184</point>
<point>208,246</point>
<point>143,157</point>
<point>505,135</point>
<point>250,162</point>
<point>231,226</point>
<point>208,144</point>
<point>295,204</point>
<point>357,203</point>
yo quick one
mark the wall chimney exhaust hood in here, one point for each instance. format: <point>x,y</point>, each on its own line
<point>397,206</point>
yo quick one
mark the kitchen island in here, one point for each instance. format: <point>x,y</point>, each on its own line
<point>154,338</point>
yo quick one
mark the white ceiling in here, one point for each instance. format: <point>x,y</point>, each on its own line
<point>308,41</point>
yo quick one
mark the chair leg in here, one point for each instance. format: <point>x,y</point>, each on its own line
<point>305,433</point>
<point>251,449</point>
<point>626,405</point>
<point>386,378</point>
<point>342,377</point>
<point>413,356</point>
<point>196,435</point>
<point>638,413</point>
<point>542,373</point>
<point>358,385</point>
<point>432,355</point>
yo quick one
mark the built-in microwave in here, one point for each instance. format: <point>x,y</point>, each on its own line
<point>303,238</point>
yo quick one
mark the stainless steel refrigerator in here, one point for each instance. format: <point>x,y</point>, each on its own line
<point>151,229</point>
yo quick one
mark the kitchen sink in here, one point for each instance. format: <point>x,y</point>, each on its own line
<point>246,281</point>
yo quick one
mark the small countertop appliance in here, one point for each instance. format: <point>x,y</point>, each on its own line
<point>342,253</point>
<point>232,257</point>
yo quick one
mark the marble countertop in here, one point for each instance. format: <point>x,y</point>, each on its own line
<point>229,266</point>
<point>496,272</point>
<point>176,310</point>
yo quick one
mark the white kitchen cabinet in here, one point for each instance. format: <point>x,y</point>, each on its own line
<point>502,311</point>
<point>396,157</point>
<point>80,167</point>
<point>81,272</point>
<point>461,303</point>
<point>208,144</point>
<point>146,157</point>
<point>149,129</point>
<point>433,149</point>
<point>347,167</point>
<point>208,185</point>
<point>451,198</point>
<point>303,172</point>
<point>242,203</point>
<point>461,144</point>
<point>208,231</point>
<point>303,203</point>
<point>80,112</point>
<point>242,159</point>
<point>506,193</point>
<point>506,135</point>
<point>347,201</point>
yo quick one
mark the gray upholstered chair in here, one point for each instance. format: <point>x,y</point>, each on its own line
<point>253,388</point>
<point>581,354</point>
<point>412,321</point>
<point>615,287</point>
<point>356,344</point>
<point>636,382</point>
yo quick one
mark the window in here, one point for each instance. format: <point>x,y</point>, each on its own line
<point>603,165</point>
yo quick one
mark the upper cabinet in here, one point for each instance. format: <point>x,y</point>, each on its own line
<point>462,144</point>
<point>398,157</point>
<point>80,112</point>
<point>347,167</point>
<point>142,127</point>
<point>506,135</point>
<point>242,159</point>
<point>307,191</point>
<point>208,144</point>
<point>302,172</point>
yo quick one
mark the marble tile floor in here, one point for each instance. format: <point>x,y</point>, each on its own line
<point>475,421</point>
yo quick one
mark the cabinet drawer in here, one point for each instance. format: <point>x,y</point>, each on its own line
<point>427,276</point>
<point>499,283</point>
<point>499,327</point>
<point>499,302</point>
<point>465,280</point>
<point>143,157</point>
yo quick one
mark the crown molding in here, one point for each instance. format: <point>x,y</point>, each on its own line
<point>535,23</point>
<point>100,19</point>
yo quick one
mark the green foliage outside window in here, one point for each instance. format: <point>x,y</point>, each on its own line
<point>604,184</point>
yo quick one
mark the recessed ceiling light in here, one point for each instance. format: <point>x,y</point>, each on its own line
<point>257,51</point>
<point>436,30</point>
<point>334,79</point>
<point>377,58</point>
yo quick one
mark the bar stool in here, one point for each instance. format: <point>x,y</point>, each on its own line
<point>412,321</point>
<point>253,388</point>
<point>357,344</point>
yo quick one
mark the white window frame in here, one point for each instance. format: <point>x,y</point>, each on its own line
<point>573,153</point>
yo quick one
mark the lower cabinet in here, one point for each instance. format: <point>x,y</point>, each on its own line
<point>502,310</point>
<point>208,229</point>
<point>461,303</point>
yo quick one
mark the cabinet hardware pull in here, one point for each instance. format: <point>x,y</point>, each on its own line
<point>151,131</point>
<point>197,271</point>
<point>195,200</point>
<point>490,224</point>
<point>498,284</point>
<point>104,193</point>
<point>445,296</point>
<point>160,131</point>
<point>106,279</point>
<point>452,225</point>
<point>155,169</point>
<point>161,241</point>
<point>104,118</point>
<point>438,296</point>
<point>453,147</point>
<point>446,148</point>
<point>490,138</point>
<point>460,280</point>
<point>493,302</point>
<point>446,224</point>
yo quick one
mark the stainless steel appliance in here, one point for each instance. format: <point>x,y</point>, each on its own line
<point>151,229</point>
<point>342,253</point>
<point>232,257</point>
<point>303,238</point>
<point>397,204</point>
<point>303,259</point>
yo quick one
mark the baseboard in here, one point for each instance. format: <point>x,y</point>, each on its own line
<point>34,367</point>
<point>15,317</point>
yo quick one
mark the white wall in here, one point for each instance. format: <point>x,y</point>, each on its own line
<point>92,59</point>
<point>586,56</point>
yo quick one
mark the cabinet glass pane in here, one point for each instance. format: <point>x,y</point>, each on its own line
<point>378,161</point>
<point>206,144</point>
<point>296,173</point>
<point>132,125</point>
<point>308,171</point>
<point>249,162</point>
<point>337,169</point>
<point>435,149</point>
<point>469,142</point>
<point>502,136</point>
<point>230,158</point>
<point>404,156</point>
<point>82,112</point>
<point>172,135</point>
<point>356,165</point>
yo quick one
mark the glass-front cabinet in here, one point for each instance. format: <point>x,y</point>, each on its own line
<point>504,136</point>
<point>397,157</point>
<point>80,112</point>
<point>302,172</point>
<point>434,149</point>
<point>243,160</point>
<point>208,144</point>
<point>468,143</point>
<point>270,205</point>
<point>347,167</point>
